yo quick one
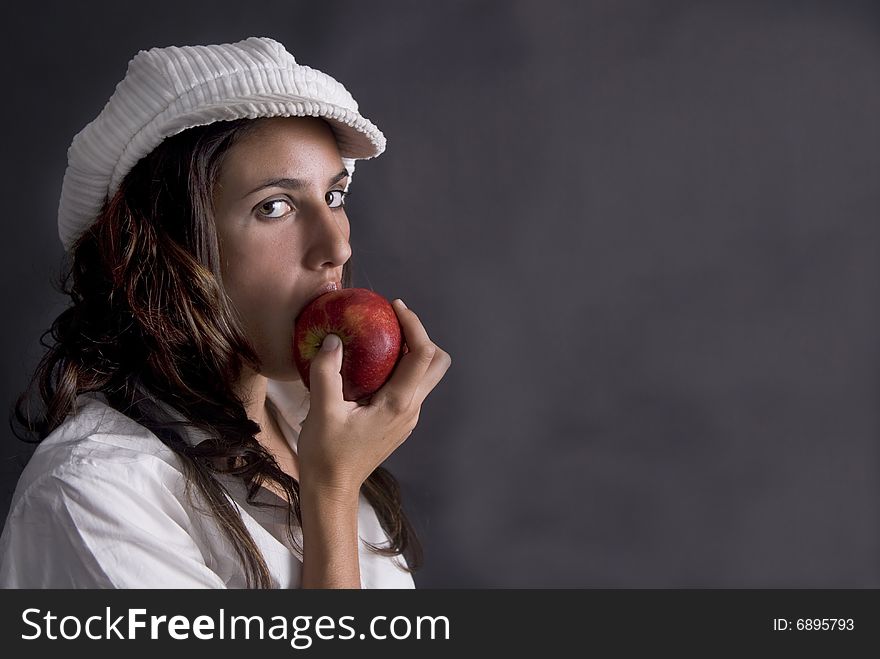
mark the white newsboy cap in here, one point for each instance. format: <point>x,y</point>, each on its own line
<point>167,90</point>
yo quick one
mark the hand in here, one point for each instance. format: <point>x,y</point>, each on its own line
<point>341,443</point>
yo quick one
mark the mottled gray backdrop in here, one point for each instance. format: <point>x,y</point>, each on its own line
<point>647,232</point>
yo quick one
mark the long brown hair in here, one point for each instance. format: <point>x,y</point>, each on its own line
<point>149,321</point>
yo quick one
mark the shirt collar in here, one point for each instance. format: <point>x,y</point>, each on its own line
<point>289,399</point>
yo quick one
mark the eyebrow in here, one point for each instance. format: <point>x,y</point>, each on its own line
<point>292,183</point>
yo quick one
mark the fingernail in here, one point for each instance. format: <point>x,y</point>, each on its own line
<point>402,303</point>
<point>331,343</point>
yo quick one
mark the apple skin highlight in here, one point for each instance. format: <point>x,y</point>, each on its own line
<point>372,341</point>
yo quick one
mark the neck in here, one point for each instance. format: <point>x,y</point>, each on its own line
<point>251,388</point>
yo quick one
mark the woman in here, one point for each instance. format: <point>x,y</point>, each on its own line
<point>202,209</point>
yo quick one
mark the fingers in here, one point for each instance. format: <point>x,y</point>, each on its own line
<point>325,380</point>
<point>414,333</point>
<point>439,365</point>
<point>418,371</point>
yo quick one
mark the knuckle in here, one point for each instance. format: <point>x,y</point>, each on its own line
<point>412,419</point>
<point>395,405</point>
<point>427,352</point>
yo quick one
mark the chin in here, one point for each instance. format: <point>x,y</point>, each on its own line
<point>278,365</point>
<point>281,374</point>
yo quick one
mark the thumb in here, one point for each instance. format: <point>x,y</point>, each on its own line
<point>325,380</point>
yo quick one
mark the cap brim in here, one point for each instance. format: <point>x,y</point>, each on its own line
<point>357,136</point>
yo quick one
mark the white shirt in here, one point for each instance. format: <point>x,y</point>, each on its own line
<point>101,504</point>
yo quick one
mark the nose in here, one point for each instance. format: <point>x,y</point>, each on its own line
<point>328,244</point>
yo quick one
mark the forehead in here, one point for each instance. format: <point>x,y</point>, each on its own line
<point>296,146</point>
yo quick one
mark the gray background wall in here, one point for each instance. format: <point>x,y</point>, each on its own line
<point>646,231</point>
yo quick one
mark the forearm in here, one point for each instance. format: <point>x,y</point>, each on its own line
<point>330,539</point>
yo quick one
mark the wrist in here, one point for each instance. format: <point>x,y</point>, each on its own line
<point>332,494</point>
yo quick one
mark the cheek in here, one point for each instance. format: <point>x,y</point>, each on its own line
<point>256,281</point>
<point>251,253</point>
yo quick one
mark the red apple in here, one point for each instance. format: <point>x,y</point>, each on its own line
<point>371,338</point>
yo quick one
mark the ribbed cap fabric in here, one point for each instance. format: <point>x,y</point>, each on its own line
<point>167,90</point>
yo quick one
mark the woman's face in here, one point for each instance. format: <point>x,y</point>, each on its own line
<point>282,228</point>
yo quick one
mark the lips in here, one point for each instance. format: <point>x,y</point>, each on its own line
<point>326,287</point>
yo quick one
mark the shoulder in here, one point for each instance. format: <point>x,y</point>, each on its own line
<point>93,447</point>
<point>102,503</point>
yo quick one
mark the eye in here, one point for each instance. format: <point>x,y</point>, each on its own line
<point>336,198</point>
<point>273,207</point>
